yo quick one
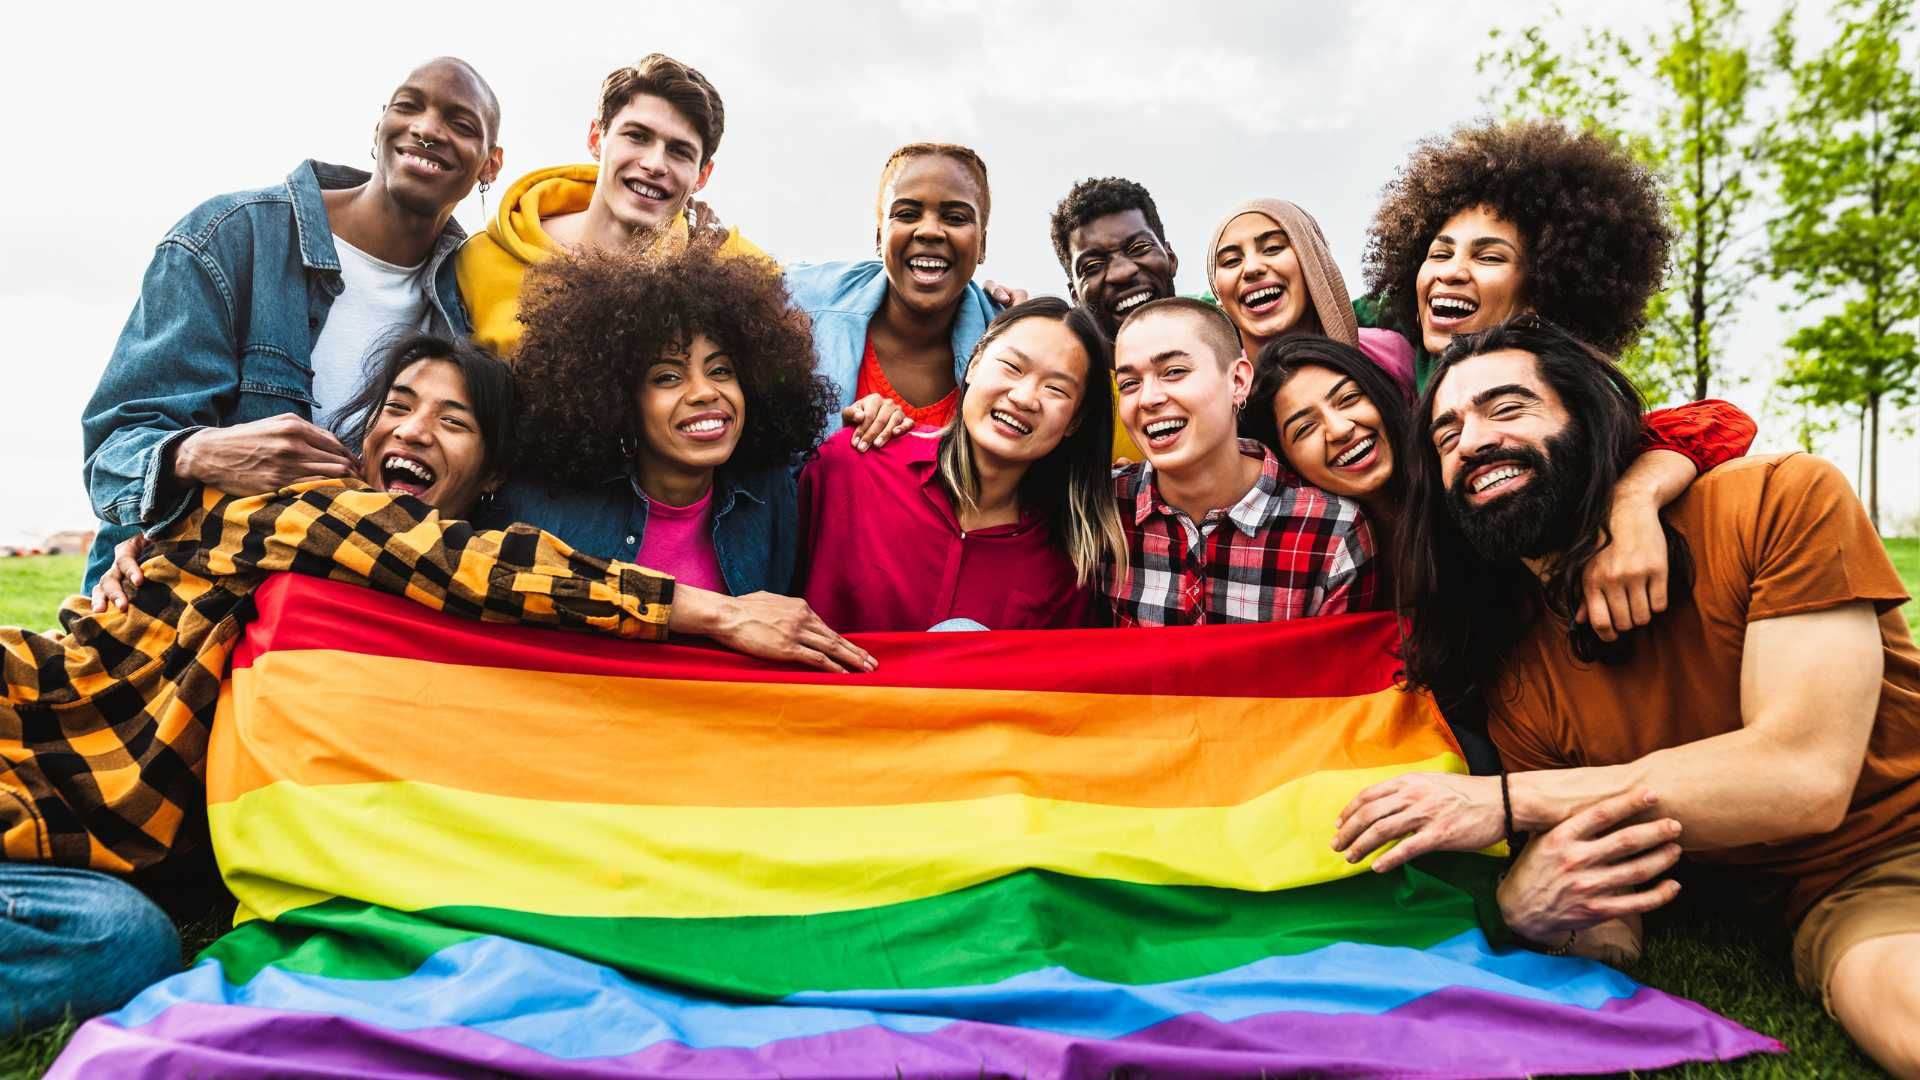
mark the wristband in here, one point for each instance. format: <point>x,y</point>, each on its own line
<point>1506,805</point>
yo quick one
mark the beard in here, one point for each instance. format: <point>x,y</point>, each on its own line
<point>1536,520</point>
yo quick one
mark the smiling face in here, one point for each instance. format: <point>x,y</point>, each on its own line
<point>1511,456</point>
<point>426,442</point>
<point>1024,391</point>
<point>1258,281</point>
<point>931,233</point>
<point>649,157</point>
<point>434,139</point>
<point>1331,433</point>
<point>1178,394</point>
<point>1118,264</point>
<point>692,407</point>
<point>1472,278</point>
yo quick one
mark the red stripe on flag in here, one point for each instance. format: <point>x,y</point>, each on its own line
<point>1336,656</point>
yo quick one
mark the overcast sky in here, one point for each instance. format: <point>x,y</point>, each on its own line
<point>121,121</point>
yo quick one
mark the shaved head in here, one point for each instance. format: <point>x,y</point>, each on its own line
<point>1210,325</point>
<point>488,102</point>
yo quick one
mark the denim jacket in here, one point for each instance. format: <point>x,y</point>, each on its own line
<point>842,298</point>
<point>222,334</point>
<point>756,521</point>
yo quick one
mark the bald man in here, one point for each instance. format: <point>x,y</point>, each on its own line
<point>260,308</point>
<point>254,320</point>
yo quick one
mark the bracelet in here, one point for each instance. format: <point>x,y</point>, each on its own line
<point>1566,946</point>
<point>1506,804</point>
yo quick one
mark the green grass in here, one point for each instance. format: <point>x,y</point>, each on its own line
<point>1701,948</point>
<point>32,588</point>
<point>1906,558</point>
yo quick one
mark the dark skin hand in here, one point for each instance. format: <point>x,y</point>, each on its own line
<point>261,455</point>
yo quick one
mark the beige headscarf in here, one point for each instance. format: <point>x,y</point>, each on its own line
<point>1325,287</point>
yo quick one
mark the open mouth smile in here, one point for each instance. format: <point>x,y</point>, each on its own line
<point>1263,299</point>
<point>1446,312</point>
<point>1133,300</point>
<point>1163,433</point>
<point>928,269</point>
<point>1013,424</point>
<point>650,192</point>
<point>1359,455</point>
<point>424,162</point>
<point>706,427</point>
<point>1496,478</point>
<point>404,474</point>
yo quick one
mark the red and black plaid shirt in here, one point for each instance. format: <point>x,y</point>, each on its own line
<point>1284,551</point>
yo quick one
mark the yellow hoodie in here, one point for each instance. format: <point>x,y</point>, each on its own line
<point>492,264</point>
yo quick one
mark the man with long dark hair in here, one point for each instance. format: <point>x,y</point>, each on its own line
<point>1769,719</point>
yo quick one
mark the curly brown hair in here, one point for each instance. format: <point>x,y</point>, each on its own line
<point>596,320</point>
<point>1591,220</point>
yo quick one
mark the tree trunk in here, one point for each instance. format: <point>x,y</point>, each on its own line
<point>1873,466</point>
<point>1860,454</point>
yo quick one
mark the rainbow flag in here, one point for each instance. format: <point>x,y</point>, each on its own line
<point>469,850</point>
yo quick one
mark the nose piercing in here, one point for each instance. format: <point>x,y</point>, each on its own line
<point>425,144</point>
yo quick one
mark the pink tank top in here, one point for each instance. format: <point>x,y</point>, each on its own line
<point>679,541</point>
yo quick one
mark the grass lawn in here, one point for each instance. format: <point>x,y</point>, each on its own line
<point>32,588</point>
<point>1730,964</point>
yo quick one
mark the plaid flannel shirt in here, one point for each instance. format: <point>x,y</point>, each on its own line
<point>103,730</point>
<point>1284,551</point>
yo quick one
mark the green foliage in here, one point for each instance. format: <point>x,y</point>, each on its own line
<point>1679,101</point>
<point>1848,158</point>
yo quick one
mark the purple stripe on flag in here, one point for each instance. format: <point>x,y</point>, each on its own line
<point>1450,1033</point>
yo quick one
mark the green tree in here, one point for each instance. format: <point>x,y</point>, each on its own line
<point>1848,159</point>
<point>1680,100</point>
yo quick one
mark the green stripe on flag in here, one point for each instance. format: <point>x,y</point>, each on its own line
<point>1108,930</point>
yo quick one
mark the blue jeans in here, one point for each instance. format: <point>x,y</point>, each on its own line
<point>76,941</point>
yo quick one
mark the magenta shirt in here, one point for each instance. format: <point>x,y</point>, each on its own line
<point>881,548</point>
<point>679,541</point>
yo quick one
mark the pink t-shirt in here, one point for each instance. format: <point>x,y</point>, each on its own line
<point>679,541</point>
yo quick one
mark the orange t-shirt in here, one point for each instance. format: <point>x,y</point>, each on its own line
<point>1770,537</point>
<point>872,380</point>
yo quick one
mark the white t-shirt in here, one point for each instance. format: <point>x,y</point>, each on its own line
<point>381,301</point>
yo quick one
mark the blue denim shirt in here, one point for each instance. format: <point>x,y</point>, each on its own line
<point>842,297</point>
<point>756,521</point>
<point>222,334</point>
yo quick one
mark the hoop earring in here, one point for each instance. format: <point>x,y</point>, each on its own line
<point>627,448</point>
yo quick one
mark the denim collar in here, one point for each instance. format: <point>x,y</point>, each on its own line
<point>723,486</point>
<point>317,252</point>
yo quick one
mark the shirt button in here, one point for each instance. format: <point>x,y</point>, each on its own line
<point>630,538</point>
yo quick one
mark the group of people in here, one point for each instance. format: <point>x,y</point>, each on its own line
<point>612,412</point>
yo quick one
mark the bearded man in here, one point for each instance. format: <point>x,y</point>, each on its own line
<point>1769,719</point>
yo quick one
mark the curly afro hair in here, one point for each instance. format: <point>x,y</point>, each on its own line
<point>596,320</point>
<point>1092,198</point>
<point>1591,220</point>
